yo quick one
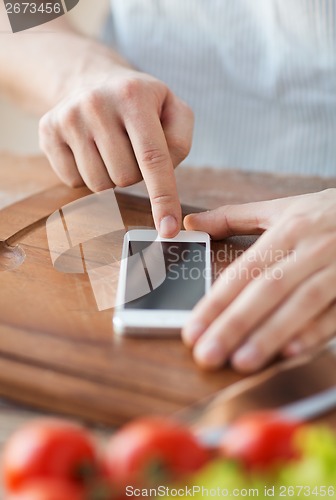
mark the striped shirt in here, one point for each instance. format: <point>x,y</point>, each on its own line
<point>260,76</point>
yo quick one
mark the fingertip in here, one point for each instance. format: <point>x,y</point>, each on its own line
<point>168,227</point>
<point>247,359</point>
<point>192,222</point>
<point>208,354</point>
<point>294,348</point>
<point>192,332</point>
<point>187,222</point>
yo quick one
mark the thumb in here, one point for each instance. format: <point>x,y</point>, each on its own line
<point>230,220</point>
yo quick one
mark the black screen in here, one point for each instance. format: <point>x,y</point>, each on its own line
<point>174,272</point>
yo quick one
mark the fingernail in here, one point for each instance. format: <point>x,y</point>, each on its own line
<point>209,353</point>
<point>168,227</point>
<point>247,357</point>
<point>192,332</point>
<point>200,215</point>
<point>294,348</point>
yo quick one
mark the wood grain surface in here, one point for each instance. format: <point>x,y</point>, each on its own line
<point>57,351</point>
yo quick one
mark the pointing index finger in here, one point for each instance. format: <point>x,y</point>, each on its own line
<point>152,154</point>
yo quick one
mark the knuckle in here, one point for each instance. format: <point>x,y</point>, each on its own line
<point>186,110</point>
<point>162,199</point>
<point>153,158</point>
<point>68,174</point>
<point>100,185</point>
<point>129,91</point>
<point>74,182</point>
<point>124,178</point>
<point>69,118</point>
<point>43,142</point>
<point>93,103</point>
<point>188,113</point>
<point>45,127</point>
<point>46,131</point>
<point>181,147</point>
<point>223,214</point>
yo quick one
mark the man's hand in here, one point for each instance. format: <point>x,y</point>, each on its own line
<point>104,123</point>
<point>279,297</point>
<point>123,127</point>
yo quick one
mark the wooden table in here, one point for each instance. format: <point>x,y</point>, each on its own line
<point>57,352</point>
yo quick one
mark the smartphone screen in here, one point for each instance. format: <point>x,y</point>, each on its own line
<point>184,280</point>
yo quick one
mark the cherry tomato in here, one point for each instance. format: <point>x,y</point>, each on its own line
<point>48,448</point>
<point>49,489</point>
<point>259,440</point>
<point>152,450</point>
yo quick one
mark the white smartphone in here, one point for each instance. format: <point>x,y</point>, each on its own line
<point>160,281</point>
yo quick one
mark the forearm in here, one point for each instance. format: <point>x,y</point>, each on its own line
<point>41,66</point>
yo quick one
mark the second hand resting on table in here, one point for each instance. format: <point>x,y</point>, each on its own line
<point>251,313</point>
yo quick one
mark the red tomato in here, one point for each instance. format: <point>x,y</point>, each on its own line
<point>260,440</point>
<point>48,449</point>
<point>49,489</point>
<point>151,450</point>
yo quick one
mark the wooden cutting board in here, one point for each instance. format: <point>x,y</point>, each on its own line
<point>57,351</point>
